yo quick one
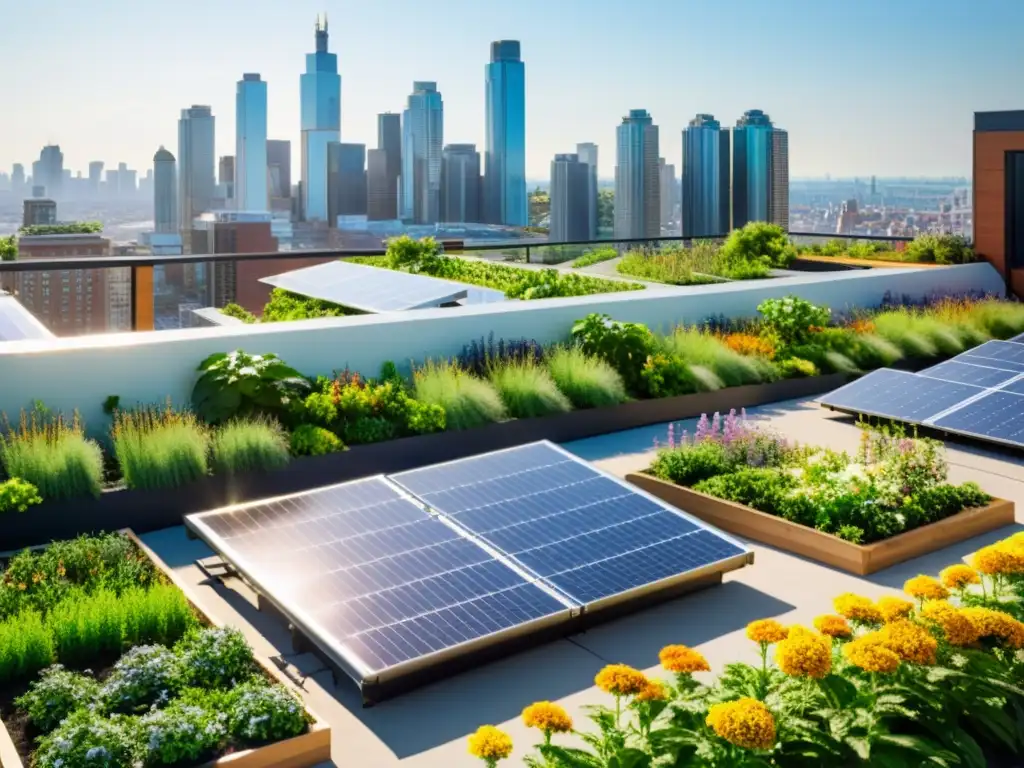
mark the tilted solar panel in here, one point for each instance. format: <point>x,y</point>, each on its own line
<point>899,395</point>
<point>969,372</point>
<point>999,351</point>
<point>996,416</point>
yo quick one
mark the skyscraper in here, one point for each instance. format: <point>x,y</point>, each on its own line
<point>196,164</point>
<point>505,161</point>
<point>637,181</point>
<point>705,208</point>
<point>460,183</point>
<point>422,140</point>
<point>667,181</point>
<point>48,171</point>
<point>760,171</point>
<point>225,179</point>
<point>321,122</point>
<point>165,192</point>
<point>346,181</point>
<point>570,199</point>
<point>279,166</point>
<point>251,144</point>
<point>389,140</point>
<point>587,153</point>
<point>96,177</point>
<point>18,181</point>
<point>380,193</point>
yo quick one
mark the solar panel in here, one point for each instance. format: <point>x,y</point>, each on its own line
<point>584,532</point>
<point>899,395</point>
<point>1000,351</point>
<point>1018,339</point>
<point>969,372</point>
<point>1004,365</point>
<point>997,416</point>
<point>373,578</point>
<point>17,323</point>
<point>369,289</point>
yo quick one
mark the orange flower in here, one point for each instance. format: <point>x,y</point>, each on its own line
<point>1002,558</point>
<point>910,642</point>
<point>958,576</point>
<point>621,680</point>
<point>683,660</point>
<point>870,653</point>
<point>750,345</point>
<point>804,654</point>
<point>894,608</point>
<point>857,608</point>
<point>746,723</point>
<point>925,588</point>
<point>655,691</point>
<point>955,625</point>
<point>833,626</point>
<point>547,717</point>
<point>997,625</point>
<point>766,631</point>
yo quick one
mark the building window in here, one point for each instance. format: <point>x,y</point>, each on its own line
<point>1015,209</point>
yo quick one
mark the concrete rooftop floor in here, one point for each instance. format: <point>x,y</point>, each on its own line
<point>428,727</point>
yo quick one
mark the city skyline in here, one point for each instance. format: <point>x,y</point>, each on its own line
<point>851,110</point>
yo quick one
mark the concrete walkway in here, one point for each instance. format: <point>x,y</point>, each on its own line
<point>428,727</point>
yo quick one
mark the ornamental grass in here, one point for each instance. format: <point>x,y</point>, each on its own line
<point>160,447</point>
<point>880,682</point>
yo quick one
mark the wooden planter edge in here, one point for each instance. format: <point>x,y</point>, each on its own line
<point>859,559</point>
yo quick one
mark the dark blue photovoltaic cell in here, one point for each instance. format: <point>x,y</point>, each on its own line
<point>586,533</point>
<point>1018,339</point>
<point>899,395</point>
<point>988,362</point>
<point>1014,386</point>
<point>997,416</point>
<point>969,373</point>
<point>1002,351</point>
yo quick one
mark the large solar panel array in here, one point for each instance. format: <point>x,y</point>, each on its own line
<point>368,289</point>
<point>978,394</point>
<point>17,323</point>
<point>388,575</point>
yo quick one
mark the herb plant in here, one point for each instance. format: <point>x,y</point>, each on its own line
<point>145,675</point>
<point>216,658</point>
<point>160,447</point>
<point>624,346</point>
<point>311,440</point>
<point>587,380</point>
<point>17,496</point>
<point>252,444</point>
<point>87,739</point>
<point>527,390</point>
<point>56,694</point>
<point>180,734</point>
<point>239,384</point>
<point>263,713</point>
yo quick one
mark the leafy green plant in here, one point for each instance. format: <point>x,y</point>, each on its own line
<point>675,265</point>
<point>696,348</point>
<point>87,739</point>
<point>56,694</point>
<point>25,646</point>
<point>265,713</point>
<point>240,384</point>
<point>595,256</point>
<point>796,367</point>
<point>17,496</point>
<point>8,248</point>
<point>285,306</point>
<point>160,448</point>
<point>587,380</point>
<point>145,675</point>
<point>624,346</point>
<point>66,228</point>
<point>239,312</point>
<point>793,319</point>
<point>691,465</point>
<point>52,453</point>
<point>218,657</point>
<point>180,734</point>
<point>757,241</point>
<point>665,376</point>
<point>250,444</point>
<point>939,249</point>
<point>466,400</point>
<point>311,440</point>
<point>527,390</point>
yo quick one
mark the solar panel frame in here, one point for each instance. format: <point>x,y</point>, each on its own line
<point>401,291</point>
<point>744,557</point>
<point>831,401</point>
<point>331,645</point>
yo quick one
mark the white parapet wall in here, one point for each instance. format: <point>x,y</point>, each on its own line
<point>79,373</point>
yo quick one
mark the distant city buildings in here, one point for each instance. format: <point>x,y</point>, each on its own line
<point>505,159</point>
<point>668,192</point>
<point>48,171</point>
<point>705,179</point>
<point>346,180</point>
<point>422,142</point>
<point>460,183</point>
<point>587,154</point>
<point>321,122</point>
<point>279,169</point>
<point>165,192</point>
<point>381,196</point>
<point>38,211</point>
<point>760,167</point>
<point>637,181</point>
<point>389,141</point>
<point>251,164</point>
<point>570,199</point>
<point>196,164</point>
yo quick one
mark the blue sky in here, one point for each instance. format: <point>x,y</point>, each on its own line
<point>884,87</point>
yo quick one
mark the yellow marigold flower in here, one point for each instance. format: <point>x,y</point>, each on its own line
<point>894,608</point>
<point>804,654</point>
<point>996,624</point>
<point>957,627</point>
<point>683,660</point>
<point>994,560</point>
<point>621,680</point>
<point>833,626</point>
<point>870,654</point>
<point>745,722</point>
<point>958,576</point>
<point>655,691</point>
<point>910,641</point>
<point>547,717</point>
<point>490,744</point>
<point>857,608</point>
<point>925,588</point>
<point>766,631</point>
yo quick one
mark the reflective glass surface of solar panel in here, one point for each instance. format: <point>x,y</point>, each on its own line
<point>1016,386</point>
<point>969,373</point>
<point>1000,351</point>
<point>17,323</point>
<point>372,574</point>
<point>899,395</point>
<point>1018,339</point>
<point>996,416</point>
<point>583,532</point>
<point>371,289</point>
<point>988,362</point>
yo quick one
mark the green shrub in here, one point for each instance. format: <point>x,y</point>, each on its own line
<point>586,380</point>
<point>939,249</point>
<point>160,448</point>
<point>691,464</point>
<point>265,713</point>
<point>759,487</point>
<point>16,495</point>
<point>467,401</point>
<point>311,440</point>
<point>239,384</point>
<point>52,453</point>
<point>796,367</point>
<point>285,306</point>
<point>145,675</point>
<point>665,376</point>
<point>25,646</point>
<point>180,734</point>
<point>1000,319</point>
<point>759,240</point>
<point>595,256</point>
<point>792,319</point>
<point>218,657</point>
<point>697,348</point>
<point>239,313</point>
<point>252,444</point>
<point>624,346</point>
<point>87,739</point>
<point>56,694</point>
<point>527,390</point>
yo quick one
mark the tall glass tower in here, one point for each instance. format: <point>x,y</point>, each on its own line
<point>251,145</point>
<point>165,192</point>
<point>705,208</point>
<point>505,158</point>
<point>637,178</point>
<point>587,154</point>
<point>196,163</point>
<point>422,143</point>
<point>321,122</point>
<point>751,168</point>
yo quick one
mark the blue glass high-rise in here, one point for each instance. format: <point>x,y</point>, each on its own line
<point>705,204</point>
<point>321,122</point>
<point>505,156</point>
<point>251,192</point>
<point>637,180</point>
<point>422,143</point>
<point>751,168</point>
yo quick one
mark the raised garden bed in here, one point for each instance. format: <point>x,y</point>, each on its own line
<point>303,751</point>
<point>824,547</point>
<point>145,511</point>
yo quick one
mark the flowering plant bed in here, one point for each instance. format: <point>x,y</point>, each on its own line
<point>860,514</point>
<point>929,680</point>
<point>105,662</point>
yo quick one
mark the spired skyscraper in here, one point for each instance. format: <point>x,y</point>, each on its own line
<point>637,178</point>
<point>505,157</point>
<point>165,192</point>
<point>760,171</point>
<point>251,145</point>
<point>422,142</point>
<point>321,122</point>
<point>705,204</point>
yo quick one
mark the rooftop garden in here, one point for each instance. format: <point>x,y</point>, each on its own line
<point>923,249</point>
<point>8,248</point>
<point>66,228</point>
<point>928,678</point>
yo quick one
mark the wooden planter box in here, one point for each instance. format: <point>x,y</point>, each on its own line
<point>303,751</point>
<point>824,547</point>
<point>145,511</point>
